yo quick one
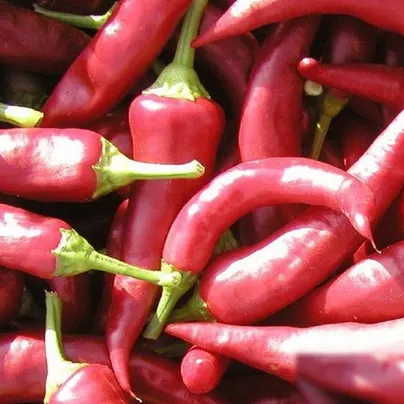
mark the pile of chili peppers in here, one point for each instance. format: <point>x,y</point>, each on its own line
<point>201,203</point>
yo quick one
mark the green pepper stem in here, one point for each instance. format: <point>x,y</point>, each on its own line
<point>115,170</point>
<point>80,21</point>
<point>168,300</point>
<point>58,368</point>
<point>227,242</point>
<point>179,79</point>
<point>74,255</point>
<point>158,66</point>
<point>185,53</point>
<point>20,116</point>
<point>331,106</point>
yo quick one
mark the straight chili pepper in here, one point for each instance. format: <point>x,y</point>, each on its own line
<point>192,237</point>
<point>271,117</point>
<point>276,350</point>
<point>114,244</point>
<point>162,122</point>
<point>53,249</point>
<point>70,382</point>
<point>130,40</point>
<point>156,379</point>
<point>285,266</point>
<point>36,43</point>
<point>82,165</point>
<point>378,83</point>
<point>246,15</point>
<point>372,377</point>
<point>369,292</point>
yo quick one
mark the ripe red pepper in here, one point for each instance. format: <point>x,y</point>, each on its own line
<point>271,117</point>
<point>156,379</point>
<point>246,15</point>
<point>82,165</point>
<point>231,60</point>
<point>11,293</point>
<point>75,293</point>
<point>277,350</point>
<point>371,291</point>
<point>89,89</point>
<point>162,122</point>
<point>70,382</point>
<point>52,248</point>
<point>356,135</point>
<point>114,244</point>
<point>195,231</point>
<point>285,266</point>
<point>372,377</point>
<point>376,82</point>
<point>85,7</point>
<point>36,43</point>
<point>351,41</point>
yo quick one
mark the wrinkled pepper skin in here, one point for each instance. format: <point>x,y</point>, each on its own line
<point>36,43</point>
<point>129,41</point>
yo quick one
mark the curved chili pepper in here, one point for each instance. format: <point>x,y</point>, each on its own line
<point>377,82</point>
<point>83,165</point>
<point>271,117</point>
<point>11,293</point>
<point>35,43</point>
<point>156,379</point>
<point>246,15</point>
<point>351,41</point>
<point>372,292</point>
<point>276,350</point>
<point>52,248</point>
<point>129,41</point>
<point>192,237</point>
<point>69,382</point>
<point>85,7</point>
<point>162,122</point>
<point>285,266</point>
<point>372,377</point>
<point>231,60</point>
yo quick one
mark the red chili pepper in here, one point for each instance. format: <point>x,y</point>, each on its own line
<point>377,82</point>
<point>271,117</point>
<point>11,293</point>
<point>356,135</point>
<point>82,165</point>
<point>366,109</point>
<point>231,60</point>
<point>70,382</point>
<point>163,129</point>
<point>192,237</point>
<point>246,15</point>
<point>85,7</point>
<point>129,41</point>
<point>369,292</point>
<point>277,350</point>
<point>372,377</point>
<point>75,293</point>
<point>52,248</point>
<point>202,370</point>
<point>36,43</point>
<point>114,244</point>
<point>283,268</point>
<point>157,380</point>
<point>351,41</point>
<point>312,393</point>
